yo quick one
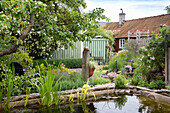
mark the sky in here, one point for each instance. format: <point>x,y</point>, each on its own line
<point>134,9</point>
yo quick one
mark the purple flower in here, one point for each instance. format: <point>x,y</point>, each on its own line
<point>128,60</point>
<point>132,61</point>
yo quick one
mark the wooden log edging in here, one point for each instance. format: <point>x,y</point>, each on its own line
<point>98,90</point>
<point>156,96</point>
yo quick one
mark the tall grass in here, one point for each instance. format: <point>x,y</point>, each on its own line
<point>48,92</point>
<point>85,92</point>
<point>10,78</point>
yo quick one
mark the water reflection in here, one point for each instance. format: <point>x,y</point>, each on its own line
<point>151,106</point>
<point>109,104</point>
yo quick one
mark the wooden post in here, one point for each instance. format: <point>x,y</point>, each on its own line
<point>85,64</point>
<point>167,65</point>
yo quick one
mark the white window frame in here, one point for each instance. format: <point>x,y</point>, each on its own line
<point>121,43</point>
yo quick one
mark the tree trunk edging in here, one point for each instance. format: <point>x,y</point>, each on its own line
<point>35,97</point>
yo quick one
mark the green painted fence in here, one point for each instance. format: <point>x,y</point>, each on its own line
<point>96,47</point>
<point>70,52</point>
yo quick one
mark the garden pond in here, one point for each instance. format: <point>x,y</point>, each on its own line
<point>107,104</point>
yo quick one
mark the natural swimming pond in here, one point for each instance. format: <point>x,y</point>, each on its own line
<point>108,104</point>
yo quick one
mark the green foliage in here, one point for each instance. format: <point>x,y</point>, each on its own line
<point>20,83</point>
<point>168,9</point>
<point>157,85</point>
<point>28,90</point>
<point>120,82</point>
<point>100,31</point>
<point>85,92</point>
<point>42,69</point>
<point>48,91</point>
<point>98,80</point>
<point>69,80</point>
<point>138,81</point>
<point>92,65</point>
<point>160,84</point>
<point>152,56</point>
<point>69,63</point>
<point>16,57</point>
<point>152,85</point>
<point>105,67</point>
<point>168,87</point>
<point>91,59</point>
<point>57,23</point>
<point>120,59</point>
<point>132,47</point>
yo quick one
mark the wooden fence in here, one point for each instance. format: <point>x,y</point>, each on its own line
<point>96,47</point>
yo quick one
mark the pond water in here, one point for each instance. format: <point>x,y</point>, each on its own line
<point>109,104</point>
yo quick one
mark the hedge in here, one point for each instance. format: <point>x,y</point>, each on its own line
<point>69,63</point>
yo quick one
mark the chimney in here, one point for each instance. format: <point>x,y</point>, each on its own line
<point>121,18</point>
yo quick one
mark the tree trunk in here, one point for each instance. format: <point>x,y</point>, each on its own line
<point>13,49</point>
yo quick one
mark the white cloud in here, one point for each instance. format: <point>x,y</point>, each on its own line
<point>133,8</point>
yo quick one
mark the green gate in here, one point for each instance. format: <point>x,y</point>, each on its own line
<point>98,49</point>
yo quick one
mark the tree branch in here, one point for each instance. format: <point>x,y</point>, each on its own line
<point>13,49</point>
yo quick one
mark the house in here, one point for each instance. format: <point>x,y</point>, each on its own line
<point>141,28</point>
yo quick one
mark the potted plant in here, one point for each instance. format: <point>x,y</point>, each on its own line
<point>92,67</point>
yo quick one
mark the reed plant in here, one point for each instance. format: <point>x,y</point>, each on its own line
<point>5,105</point>
<point>85,91</point>
<point>28,90</point>
<point>48,92</point>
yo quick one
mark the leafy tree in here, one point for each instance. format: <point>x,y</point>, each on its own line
<point>168,9</point>
<point>45,25</point>
<point>100,31</point>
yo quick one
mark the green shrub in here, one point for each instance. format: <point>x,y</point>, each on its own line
<point>70,79</point>
<point>20,83</point>
<point>160,84</point>
<point>138,81</point>
<point>91,59</point>
<point>119,60</point>
<point>98,80</point>
<point>106,67</point>
<point>152,85</point>
<point>69,63</point>
<point>156,85</point>
<point>120,82</point>
<point>168,87</point>
<point>135,80</point>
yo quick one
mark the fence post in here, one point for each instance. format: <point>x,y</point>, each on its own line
<point>167,65</point>
<point>85,64</point>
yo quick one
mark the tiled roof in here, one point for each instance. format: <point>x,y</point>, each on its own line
<point>141,24</point>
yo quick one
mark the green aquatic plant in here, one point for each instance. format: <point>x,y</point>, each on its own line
<point>28,90</point>
<point>85,92</point>
<point>48,92</point>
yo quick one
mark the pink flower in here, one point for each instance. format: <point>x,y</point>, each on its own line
<point>153,58</point>
<point>49,65</point>
<point>143,63</point>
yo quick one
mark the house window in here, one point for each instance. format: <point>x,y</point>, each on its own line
<point>121,43</point>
